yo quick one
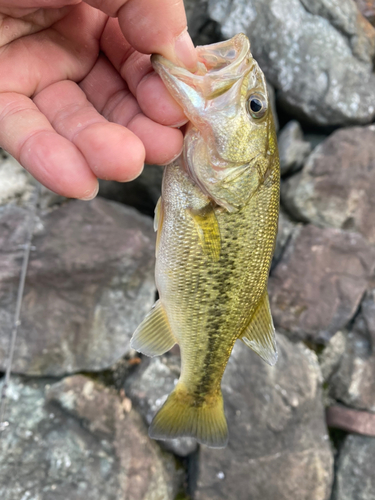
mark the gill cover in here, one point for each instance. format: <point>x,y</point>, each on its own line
<point>229,144</point>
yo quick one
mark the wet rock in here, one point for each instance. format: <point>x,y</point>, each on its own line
<point>318,55</point>
<point>336,186</point>
<point>142,193</point>
<point>353,381</point>
<point>360,422</point>
<point>89,284</point>
<point>293,149</point>
<point>278,444</point>
<point>284,233</point>
<point>355,477</point>
<point>318,284</point>
<point>79,444</point>
<point>149,387</point>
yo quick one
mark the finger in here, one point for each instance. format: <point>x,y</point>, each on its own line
<point>117,104</point>
<point>135,68</point>
<point>153,26</point>
<point>28,136</point>
<point>111,151</point>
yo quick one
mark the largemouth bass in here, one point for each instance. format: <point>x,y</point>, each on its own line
<point>216,226</point>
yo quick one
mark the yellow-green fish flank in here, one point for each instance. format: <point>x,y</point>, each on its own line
<point>217,223</point>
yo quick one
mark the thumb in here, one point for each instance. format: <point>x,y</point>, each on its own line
<point>153,26</point>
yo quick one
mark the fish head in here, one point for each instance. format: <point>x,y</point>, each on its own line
<point>231,142</point>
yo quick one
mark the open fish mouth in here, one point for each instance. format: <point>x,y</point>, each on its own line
<point>220,66</point>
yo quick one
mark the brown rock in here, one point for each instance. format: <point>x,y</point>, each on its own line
<point>353,381</point>
<point>317,286</point>
<point>278,444</point>
<point>360,422</point>
<point>336,187</point>
<point>89,284</point>
<point>367,9</point>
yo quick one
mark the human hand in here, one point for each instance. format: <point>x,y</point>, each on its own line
<point>78,101</point>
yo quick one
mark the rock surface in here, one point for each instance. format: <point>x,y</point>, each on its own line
<point>354,421</point>
<point>79,444</point>
<point>284,232</point>
<point>336,186</point>
<point>355,470</point>
<point>89,285</point>
<point>278,443</point>
<point>367,9</point>
<point>353,381</point>
<point>293,149</point>
<point>318,55</point>
<point>318,284</point>
<point>149,387</point>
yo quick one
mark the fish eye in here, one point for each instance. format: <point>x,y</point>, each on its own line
<point>257,105</point>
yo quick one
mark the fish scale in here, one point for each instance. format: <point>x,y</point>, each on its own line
<point>216,223</point>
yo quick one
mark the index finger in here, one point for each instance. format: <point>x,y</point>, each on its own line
<point>153,26</point>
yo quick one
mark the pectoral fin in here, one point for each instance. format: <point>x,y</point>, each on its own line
<point>154,336</point>
<point>260,333</point>
<point>208,231</point>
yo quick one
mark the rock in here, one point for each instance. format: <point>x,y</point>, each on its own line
<point>293,150</point>
<point>336,186</point>
<point>278,443</point>
<point>353,381</point>
<point>318,284</point>
<point>17,186</point>
<point>149,387</point>
<point>89,284</point>
<point>284,233</point>
<point>79,444</point>
<point>318,55</point>
<point>361,422</point>
<point>355,477</point>
<point>367,9</point>
<point>142,193</point>
<point>330,358</point>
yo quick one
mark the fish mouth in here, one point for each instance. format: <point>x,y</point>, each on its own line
<point>220,66</point>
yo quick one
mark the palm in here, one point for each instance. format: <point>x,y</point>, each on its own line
<point>70,84</point>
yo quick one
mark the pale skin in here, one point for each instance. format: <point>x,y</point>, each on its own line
<point>78,100</point>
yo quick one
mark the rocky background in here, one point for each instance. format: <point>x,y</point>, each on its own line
<point>80,399</point>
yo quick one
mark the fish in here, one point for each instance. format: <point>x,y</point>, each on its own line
<point>216,223</point>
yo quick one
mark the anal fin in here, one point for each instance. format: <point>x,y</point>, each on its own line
<point>208,230</point>
<point>259,335</point>
<point>154,336</point>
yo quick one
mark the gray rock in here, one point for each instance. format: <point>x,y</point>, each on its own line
<point>318,55</point>
<point>336,186</point>
<point>353,381</point>
<point>149,387</point>
<point>79,444</point>
<point>17,185</point>
<point>278,443</point>
<point>142,193</point>
<point>318,284</point>
<point>355,479</point>
<point>293,149</point>
<point>89,284</point>
<point>330,358</point>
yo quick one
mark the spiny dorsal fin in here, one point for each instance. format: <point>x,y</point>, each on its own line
<point>260,332</point>
<point>208,231</point>
<point>154,336</point>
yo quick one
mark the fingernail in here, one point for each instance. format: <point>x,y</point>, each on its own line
<point>90,195</point>
<point>185,51</point>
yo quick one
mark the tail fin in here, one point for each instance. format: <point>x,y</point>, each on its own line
<point>178,417</point>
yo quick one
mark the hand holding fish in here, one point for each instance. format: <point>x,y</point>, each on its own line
<point>78,100</point>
